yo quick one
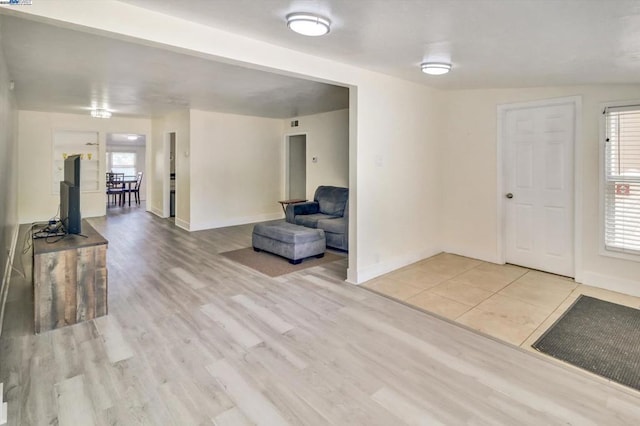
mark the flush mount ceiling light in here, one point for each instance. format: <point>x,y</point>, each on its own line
<point>435,68</point>
<point>308,24</point>
<point>132,137</point>
<point>100,113</point>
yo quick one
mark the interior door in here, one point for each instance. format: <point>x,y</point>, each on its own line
<point>298,167</point>
<point>538,186</point>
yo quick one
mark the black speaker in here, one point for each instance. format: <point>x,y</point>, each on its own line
<point>70,208</point>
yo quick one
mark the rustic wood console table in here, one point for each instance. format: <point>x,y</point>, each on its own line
<point>69,279</point>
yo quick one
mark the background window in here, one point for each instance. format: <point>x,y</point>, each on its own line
<point>622,179</point>
<point>122,162</point>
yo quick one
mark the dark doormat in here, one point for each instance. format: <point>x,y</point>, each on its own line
<point>598,336</point>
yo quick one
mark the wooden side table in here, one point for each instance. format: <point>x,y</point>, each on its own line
<point>69,279</point>
<point>285,203</point>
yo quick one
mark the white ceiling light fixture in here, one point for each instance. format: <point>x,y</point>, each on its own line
<point>435,68</point>
<point>100,113</point>
<point>308,24</point>
<point>132,137</point>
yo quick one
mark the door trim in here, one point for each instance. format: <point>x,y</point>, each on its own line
<point>502,110</point>
<point>285,162</point>
<point>166,181</point>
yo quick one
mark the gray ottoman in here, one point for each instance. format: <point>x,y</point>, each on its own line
<point>291,241</point>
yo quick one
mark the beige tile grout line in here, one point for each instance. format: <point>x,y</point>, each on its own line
<point>543,321</point>
<point>445,297</point>
<point>493,293</point>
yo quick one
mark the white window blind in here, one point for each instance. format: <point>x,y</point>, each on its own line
<point>122,162</point>
<point>622,179</point>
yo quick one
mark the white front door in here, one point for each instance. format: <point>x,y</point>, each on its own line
<point>538,186</point>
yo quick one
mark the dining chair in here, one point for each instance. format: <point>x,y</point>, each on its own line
<point>115,187</point>
<point>136,190</point>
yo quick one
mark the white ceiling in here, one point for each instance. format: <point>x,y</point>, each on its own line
<point>124,139</point>
<point>491,44</point>
<point>62,70</point>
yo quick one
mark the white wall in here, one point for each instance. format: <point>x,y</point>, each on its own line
<point>398,174</point>
<point>469,173</point>
<point>141,161</point>
<point>328,140</point>
<point>236,164</point>
<point>36,201</point>
<point>397,145</point>
<point>177,123</point>
<point>236,169</point>
<point>8,180</point>
<point>392,125</point>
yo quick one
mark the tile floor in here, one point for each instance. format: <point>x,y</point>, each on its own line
<point>508,302</point>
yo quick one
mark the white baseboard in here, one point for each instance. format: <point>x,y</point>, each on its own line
<point>367,273</point>
<point>373,271</point>
<point>93,213</point>
<point>352,276</point>
<point>198,226</point>
<point>157,212</point>
<point>461,251</point>
<point>6,278</point>
<point>183,224</point>
<point>620,285</point>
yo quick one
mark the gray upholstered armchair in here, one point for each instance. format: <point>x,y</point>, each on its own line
<point>328,211</point>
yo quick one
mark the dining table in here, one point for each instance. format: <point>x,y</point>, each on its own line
<point>127,182</point>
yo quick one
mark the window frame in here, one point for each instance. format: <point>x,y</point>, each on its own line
<point>603,250</point>
<point>109,159</point>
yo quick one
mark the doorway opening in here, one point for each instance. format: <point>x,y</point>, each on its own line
<point>296,187</point>
<point>126,154</point>
<point>172,175</point>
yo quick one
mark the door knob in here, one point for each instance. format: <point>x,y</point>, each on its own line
<point>509,195</point>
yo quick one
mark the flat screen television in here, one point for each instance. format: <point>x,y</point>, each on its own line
<point>70,196</point>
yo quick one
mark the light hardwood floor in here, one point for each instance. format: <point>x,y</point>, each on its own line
<point>193,338</point>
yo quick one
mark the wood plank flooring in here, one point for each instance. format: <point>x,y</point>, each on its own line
<point>193,338</point>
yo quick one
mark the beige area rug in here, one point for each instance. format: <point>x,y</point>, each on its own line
<point>272,265</point>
